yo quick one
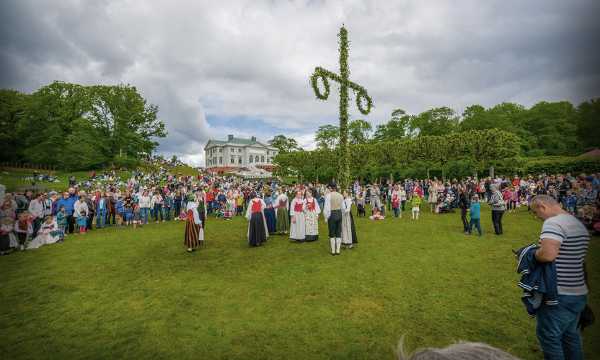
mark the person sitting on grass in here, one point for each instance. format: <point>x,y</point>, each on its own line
<point>376,215</point>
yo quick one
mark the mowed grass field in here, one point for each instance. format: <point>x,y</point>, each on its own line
<point>124,293</point>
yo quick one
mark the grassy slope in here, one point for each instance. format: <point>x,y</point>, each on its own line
<point>15,179</point>
<point>123,293</point>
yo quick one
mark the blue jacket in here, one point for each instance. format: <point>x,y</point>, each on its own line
<point>68,203</point>
<point>475,210</point>
<point>538,280</point>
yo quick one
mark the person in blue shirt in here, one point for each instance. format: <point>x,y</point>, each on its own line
<point>475,212</point>
<point>68,201</point>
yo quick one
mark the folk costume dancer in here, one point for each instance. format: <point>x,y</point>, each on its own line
<point>193,225</point>
<point>312,217</point>
<point>348,229</point>
<point>257,226</point>
<point>270,213</point>
<point>332,211</point>
<point>298,225</point>
<point>283,220</point>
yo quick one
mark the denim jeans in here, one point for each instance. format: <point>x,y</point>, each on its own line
<point>101,218</point>
<point>144,214</point>
<point>477,224</point>
<point>557,328</point>
<point>396,212</point>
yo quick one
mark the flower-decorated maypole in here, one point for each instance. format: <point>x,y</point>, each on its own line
<point>364,103</point>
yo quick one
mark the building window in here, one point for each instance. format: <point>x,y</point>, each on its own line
<point>232,160</point>
<point>262,159</point>
<point>256,158</point>
<point>250,159</point>
<point>220,159</point>
<point>240,160</point>
<point>220,150</point>
<point>239,150</point>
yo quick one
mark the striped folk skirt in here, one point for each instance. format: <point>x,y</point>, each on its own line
<point>194,235</point>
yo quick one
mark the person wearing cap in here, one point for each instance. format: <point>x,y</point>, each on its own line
<point>332,211</point>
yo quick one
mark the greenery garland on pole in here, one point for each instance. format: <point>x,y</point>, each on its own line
<point>364,103</point>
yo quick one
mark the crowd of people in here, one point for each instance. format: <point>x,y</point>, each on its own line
<point>29,220</point>
<point>568,204</point>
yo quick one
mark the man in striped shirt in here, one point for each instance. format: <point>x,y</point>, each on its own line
<point>563,240</point>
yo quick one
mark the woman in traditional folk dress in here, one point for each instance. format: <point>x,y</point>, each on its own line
<point>298,224</point>
<point>312,217</point>
<point>257,226</point>
<point>283,220</point>
<point>348,230</point>
<point>229,207</point>
<point>270,213</point>
<point>193,224</point>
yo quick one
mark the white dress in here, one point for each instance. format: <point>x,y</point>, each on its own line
<point>48,234</point>
<point>298,228</point>
<point>346,222</point>
<point>312,219</point>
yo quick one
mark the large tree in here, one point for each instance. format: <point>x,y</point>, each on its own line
<point>79,127</point>
<point>436,121</point>
<point>12,107</point>
<point>327,136</point>
<point>359,131</point>
<point>588,124</point>
<point>284,144</point>
<point>395,129</point>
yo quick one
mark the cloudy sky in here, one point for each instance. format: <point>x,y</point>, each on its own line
<point>242,67</point>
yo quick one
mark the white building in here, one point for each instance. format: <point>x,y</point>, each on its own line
<point>238,152</point>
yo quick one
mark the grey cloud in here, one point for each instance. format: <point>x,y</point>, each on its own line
<point>253,58</point>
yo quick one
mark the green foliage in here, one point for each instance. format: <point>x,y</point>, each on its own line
<point>380,159</point>
<point>588,124</point>
<point>437,121</point>
<point>77,127</point>
<point>359,131</point>
<point>327,136</point>
<point>395,129</point>
<point>284,144</point>
<point>362,99</point>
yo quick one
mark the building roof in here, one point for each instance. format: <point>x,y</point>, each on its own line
<point>238,141</point>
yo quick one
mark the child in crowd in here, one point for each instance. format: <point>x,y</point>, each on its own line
<point>120,210</point>
<point>137,218</point>
<point>81,219</point>
<point>507,196</point>
<point>415,202</point>
<point>23,229</point>
<point>571,203</point>
<point>61,221</point>
<point>360,204</point>
<point>396,204</point>
<point>475,213</point>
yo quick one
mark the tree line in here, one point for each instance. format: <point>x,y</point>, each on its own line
<point>547,128</point>
<point>439,140</point>
<point>73,126</point>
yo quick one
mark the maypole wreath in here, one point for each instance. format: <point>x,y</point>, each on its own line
<point>364,103</point>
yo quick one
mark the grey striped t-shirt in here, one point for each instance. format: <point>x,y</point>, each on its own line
<point>574,239</point>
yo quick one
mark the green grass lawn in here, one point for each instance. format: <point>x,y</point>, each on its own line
<point>124,293</point>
